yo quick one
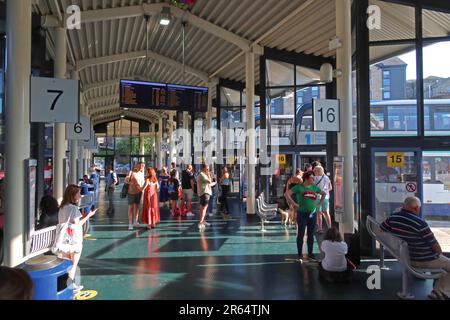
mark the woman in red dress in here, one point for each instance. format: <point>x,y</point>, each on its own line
<point>150,210</point>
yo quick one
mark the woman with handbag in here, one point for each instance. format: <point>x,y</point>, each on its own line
<point>69,213</point>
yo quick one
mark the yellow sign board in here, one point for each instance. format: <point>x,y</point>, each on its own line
<point>281,158</point>
<point>395,160</point>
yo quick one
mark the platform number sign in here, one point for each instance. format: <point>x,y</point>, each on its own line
<point>395,160</point>
<point>326,115</point>
<point>80,130</point>
<point>54,100</point>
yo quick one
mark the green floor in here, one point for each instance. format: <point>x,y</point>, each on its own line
<point>230,260</point>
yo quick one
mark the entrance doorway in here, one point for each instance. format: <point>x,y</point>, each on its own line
<point>402,173</point>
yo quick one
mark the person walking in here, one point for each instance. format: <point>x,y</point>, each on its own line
<point>150,207</point>
<point>225,186</point>
<point>110,185</point>
<point>173,186</point>
<point>204,192</point>
<point>187,185</point>
<point>163,186</point>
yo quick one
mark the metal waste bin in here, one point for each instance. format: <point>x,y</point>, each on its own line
<point>49,274</point>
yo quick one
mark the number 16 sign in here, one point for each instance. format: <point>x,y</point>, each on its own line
<point>326,115</point>
<point>54,100</point>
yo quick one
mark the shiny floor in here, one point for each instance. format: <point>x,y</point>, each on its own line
<point>230,260</point>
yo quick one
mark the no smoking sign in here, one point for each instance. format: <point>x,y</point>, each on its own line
<point>411,187</point>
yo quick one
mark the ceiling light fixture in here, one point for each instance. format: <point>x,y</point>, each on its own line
<point>164,16</point>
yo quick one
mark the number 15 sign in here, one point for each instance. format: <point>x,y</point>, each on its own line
<point>54,100</point>
<point>326,115</point>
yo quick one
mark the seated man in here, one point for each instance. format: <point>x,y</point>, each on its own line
<point>424,250</point>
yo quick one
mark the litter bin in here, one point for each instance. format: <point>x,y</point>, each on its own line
<point>49,275</point>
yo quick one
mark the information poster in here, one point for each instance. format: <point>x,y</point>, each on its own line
<point>338,187</point>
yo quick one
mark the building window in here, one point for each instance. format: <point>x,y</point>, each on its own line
<point>386,84</point>
<point>315,92</point>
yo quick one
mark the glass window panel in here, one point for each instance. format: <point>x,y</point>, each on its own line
<point>279,73</point>
<point>135,146</point>
<point>436,86</point>
<point>435,23</point>
<point>304,116</point>
<point>393,91</point>
<point>281,118</point>
<point>230,97</point>
<point>396,22</point>
<point>306,76</point>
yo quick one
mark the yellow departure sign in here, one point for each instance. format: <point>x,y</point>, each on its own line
<point>395,160</point>
<point>281,158</point>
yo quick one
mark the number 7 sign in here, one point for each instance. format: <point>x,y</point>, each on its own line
<point>54,100</point>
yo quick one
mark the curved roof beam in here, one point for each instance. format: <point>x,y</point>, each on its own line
<point>82,64</point>
<point>154,9</point>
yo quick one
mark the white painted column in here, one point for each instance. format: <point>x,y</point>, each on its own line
<point>344,94</point>
<point>251,137</point>
<point>187,150</point>
<point>141,147</point>
<point>160,139</point>
<point>74,148</point>
<point>208,127</point>
<point>170,123</point>
<point>59,130</point>
<point>80,161</point>
<point>17,125</point>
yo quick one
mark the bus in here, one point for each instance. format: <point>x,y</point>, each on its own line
<point>399,117</point>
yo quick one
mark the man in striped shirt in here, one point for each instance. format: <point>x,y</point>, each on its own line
<point>424,250</point>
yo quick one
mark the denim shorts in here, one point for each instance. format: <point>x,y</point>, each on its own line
<point>204,199</point>
<point>134,198</point>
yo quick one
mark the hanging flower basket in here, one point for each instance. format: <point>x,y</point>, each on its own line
<point>183,4</point>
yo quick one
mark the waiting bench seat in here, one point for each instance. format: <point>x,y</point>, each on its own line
<point>398,248</point>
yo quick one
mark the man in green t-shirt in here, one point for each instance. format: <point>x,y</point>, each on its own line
<point>306,204</point>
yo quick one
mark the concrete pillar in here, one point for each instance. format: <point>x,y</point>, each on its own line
<point>170,123</point>
<point>80,161</point>
<point>186,140</point>
<point>344,94</point>
<point>161,154</point>
<point>59,130</point>
<point>17,123</point>
<point>74,148</point>
<point>251,137</point>
<point>141,147</point>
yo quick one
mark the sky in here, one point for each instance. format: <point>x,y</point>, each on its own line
<point>436,59</point>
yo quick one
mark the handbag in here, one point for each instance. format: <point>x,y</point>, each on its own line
<point>69,238</point>
<point>124,192</point>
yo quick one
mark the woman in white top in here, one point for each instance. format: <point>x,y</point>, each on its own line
<point>335,250</point>
<point>68,210</point>
<point>324,183</point>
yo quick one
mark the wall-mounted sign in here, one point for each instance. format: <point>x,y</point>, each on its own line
<point>54,100</point>
<point>80,130</point>
<point>395,160</point>
<point>281,159</point>
<point>326,115</point>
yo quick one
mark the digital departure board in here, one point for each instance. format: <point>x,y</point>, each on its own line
<point>162,96</point>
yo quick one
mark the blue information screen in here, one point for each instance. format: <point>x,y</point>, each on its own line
<point>162,96</point>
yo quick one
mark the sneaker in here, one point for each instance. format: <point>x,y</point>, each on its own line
<point>77,288</point>
<point>136,224</point>
<point>312,257</point>
<point>207,224</point>
<point>130,227</point>
<point>190,214</point>
<point>201,227</point>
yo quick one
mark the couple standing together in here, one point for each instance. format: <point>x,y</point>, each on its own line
<point>139,184</point>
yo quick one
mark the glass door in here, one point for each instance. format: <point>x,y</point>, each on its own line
<point>285,170</point>
<point>397,175</point>
<point>436,194</point>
